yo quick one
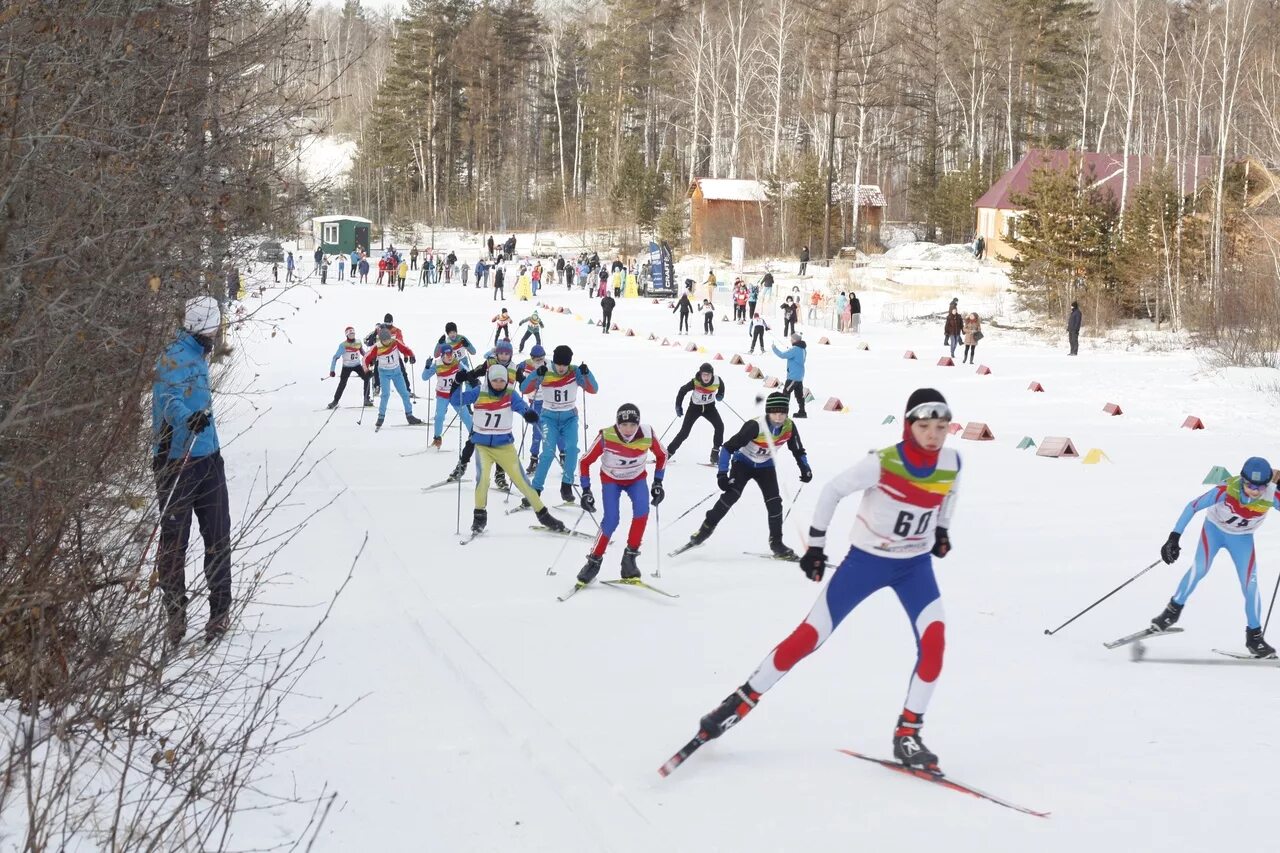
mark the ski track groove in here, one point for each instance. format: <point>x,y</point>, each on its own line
<point>527,728</point>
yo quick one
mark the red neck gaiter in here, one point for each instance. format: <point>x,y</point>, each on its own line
<point>916,456</point>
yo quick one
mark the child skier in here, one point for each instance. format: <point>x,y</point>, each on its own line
<point>447,371</point>
<point>684,308</point>
<point>557,387</point>
<point>537,358</point>
<point>390,354</point>
<point>496,404</point>
<point>534,322</point>
<point>503,321</point>
<point>622,450</point>
<point>909,493</point>
<point>351,351</point>
<point>1236,509</point>
<point>708,317</point>
<point>758,328</point>
<point>751,450</point>
<point>705,390</point>
<point>462,346</point>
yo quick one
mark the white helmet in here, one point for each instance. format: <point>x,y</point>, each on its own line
<point>202,315</point>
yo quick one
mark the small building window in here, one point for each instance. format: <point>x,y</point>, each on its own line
<point>331,232</point>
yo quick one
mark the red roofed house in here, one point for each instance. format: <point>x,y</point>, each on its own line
<point>998,213</point>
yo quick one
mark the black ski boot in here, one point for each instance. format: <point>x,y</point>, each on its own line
<point>702,534</point>
<point>549,521</point>
<point>1256,644</point>
<point>715,456</point>
<point>590,570</point>
<point>458,471</point>
<point>727,714</point>
<point>629,569</point>
<point>500,479</point>
<point>332,405</point>
<point>532,467</point>
<point>781,551</point>
<point>524,502</point>
<point>413,420</point>
<point>478,520</point>
<point>566,493</point>
<point>368,402</point>
<point>1168,616</point>
<point>377,425</point>
<point>909,748</point>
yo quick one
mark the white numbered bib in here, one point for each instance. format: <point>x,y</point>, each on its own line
<point>390,360</point>
<point>493,421</point>
<point>444,384</point>
<point>562,398</point>
<point>351,358</point>
<point>703,398</point>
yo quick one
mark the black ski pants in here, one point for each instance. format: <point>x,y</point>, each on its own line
<point>607,322</point>
<point>708,324</point>
<point>757,337</point>
<point>796,387</point>
<point>199,487</point>
<point>342,383</point>
<point>691,416</point>
<point>684,323</point>
<point>741,473</point>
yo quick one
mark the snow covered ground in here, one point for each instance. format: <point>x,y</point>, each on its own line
<point>495,718</point>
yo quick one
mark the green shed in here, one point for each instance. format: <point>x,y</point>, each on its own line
<point>340,235</point>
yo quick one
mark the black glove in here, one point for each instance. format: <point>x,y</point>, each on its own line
<point>806,473</point>
<point>1171,550</point>
<point>679,408</point>
<point>656,494</point>
<point>531,416</point>
<point>413,359</point>
<point>587,501</point>
<point>941,543</point>
<point>197,422</point>
<point>724,481</point>
<point>473,381</point>
<point>332,374</point>
<point>542,370</point>
<point>814,563</point>
<point>582,369</point>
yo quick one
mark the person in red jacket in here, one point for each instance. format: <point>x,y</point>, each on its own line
<point>389,353</point>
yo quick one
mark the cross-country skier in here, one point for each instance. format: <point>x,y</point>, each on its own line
<point>462,346</point>
<point>622,450</point>
<point>758,327</point>
<point>705,390</point>
<point>1235,510</point>
<point>497,403</point>
<point>537,358</point>
<point>446,370</point>
<point>795,357</point>
<point>502,320</point>
<point>685,308</point>
<point>534,330</point>
<point>351,351</point>
<point>908,495</point>
<point>557,386</point>
<point>390,354</point>
<point>751,450</point>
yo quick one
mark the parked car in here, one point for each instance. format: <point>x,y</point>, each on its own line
<point>269,251</point>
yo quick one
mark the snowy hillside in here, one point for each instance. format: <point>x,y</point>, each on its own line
<point>495,718</point>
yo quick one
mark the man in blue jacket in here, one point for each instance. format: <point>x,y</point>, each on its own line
<point>189,473</point>
<point>795,371</point>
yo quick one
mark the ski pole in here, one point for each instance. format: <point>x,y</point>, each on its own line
<point>657,540</point>
<point>1272,605</point>
<point>794,502</point>
<point>668,429</point>
<point>695,506</point>
<point>519,470</point>
<point>1104,598</point>
<point>735,413</point>
<point>458,516</point>
<point>551,570</point>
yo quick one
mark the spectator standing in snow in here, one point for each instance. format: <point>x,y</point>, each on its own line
<point>952,328</point>
<point>842,305</point>
<point>685,308</point>
<point>855,313</point>
<point>790,316</point>
<point>804,260</point>
<point>1073,328</point>
<point>324,270</point>
<point>972,334</point>
<point>319,256</point>
<point>499,283</point>
<point>275,272</point>
<point>846,313</point>
<point>606,309</point>
<point>342,266</point>
<point>413,257</point>
<point>464,269</point>
<point>288,269</point>
<point>795,359</point>
<point>364,270</point>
